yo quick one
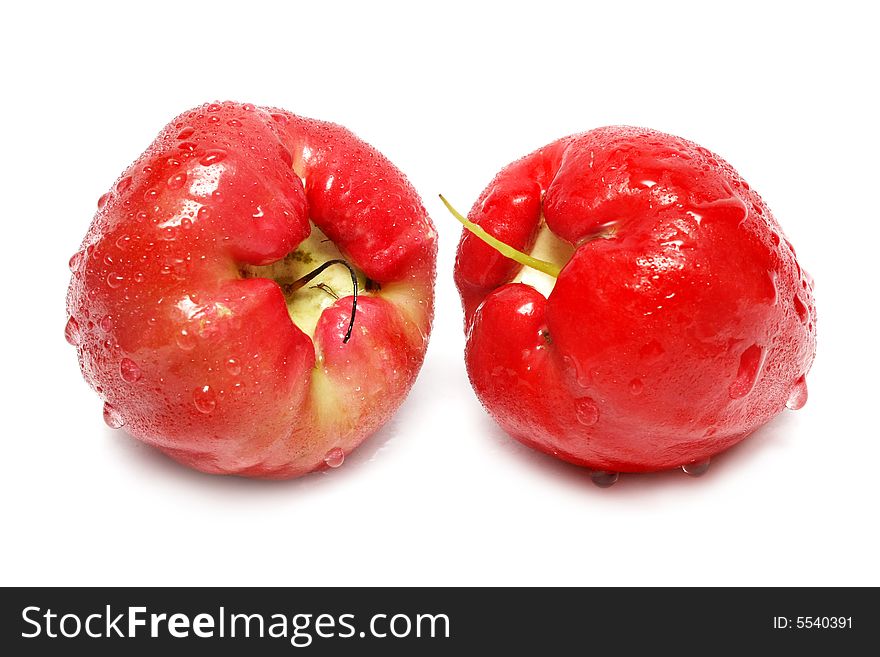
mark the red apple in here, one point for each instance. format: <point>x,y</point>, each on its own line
<point>637,307</point>
<point>204,311</point>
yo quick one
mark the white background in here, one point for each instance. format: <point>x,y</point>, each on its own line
<point>450,94</point>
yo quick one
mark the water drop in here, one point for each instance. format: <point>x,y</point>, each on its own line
<point>213,156</point>
<point>123,184</point>
<point>138,277</point>
<point>106,323</point>
<point>114,280</point>
<point>129,370</point>
<point>773,289</point>
<point>587,411</point>
<point>233,366</point>
<point>205,399</point>
<point>102,201</point>
<point>186,223</point>
<point>186,340</point>
<point>203,213</point>
<point>247,107</point>
<point>651,351</point>
<point>285,155</point>
<point>75,261</point>
<point>186,133</point>
<point>72,333</point>
<point>235,123</point>
<point>636,386</point>
<point>603,478</point>
<point>798,396</point>
<point>122,242</point>
<point>112,417</point>
<point>213,107</point>
<point>279,118</point>
<point>176,181</point>
<point>696,468</point>
<point>800,309</point>
<point>749,368</point>
<point>150,195</point>
<point>177,267</point>
<point>334,458</point>
<point>187,146</point>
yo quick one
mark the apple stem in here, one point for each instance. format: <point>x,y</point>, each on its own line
<point>524,259</point>
<point>300,282</point>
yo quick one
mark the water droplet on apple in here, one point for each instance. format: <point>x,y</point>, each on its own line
<point>138,277</point>
<point>204,399</point>
<point>696,468</point>
<point>75,261</point>
<point>603,478</point>
<point>234,123</point>
<point>773,290</point>
<point>247,107</point>
<point>285,156</point>
<point>112,417</point>
<point>233,366</point>
<point>213,107</point>
<point>750,364</point>
<point>212,156</point>
<point>114,280</point>
<point>636,386</point>
<point>651,351</point>
<point>798,396</point>
<point>334,458</point>
<point>72,333</point>
<point>187,146</point>
<point>186,340</point>
<point>587,411</point>
<point>176,181</point>
<point>800,308</point>
<point>123,184</point>
<point>186,133</point>
<point>186,223</point>
<point>129,370</point>
<point>102,201</point>
<point>122,242</point>
<point>106,323</point>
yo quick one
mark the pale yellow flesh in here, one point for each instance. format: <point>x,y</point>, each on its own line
<point>307,304</point>
<point>549,248</point>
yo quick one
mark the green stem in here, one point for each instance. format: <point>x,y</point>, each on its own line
<point>504,249</point>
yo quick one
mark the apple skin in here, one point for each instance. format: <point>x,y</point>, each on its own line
<point>197,355</point>
<point>680,324</point>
